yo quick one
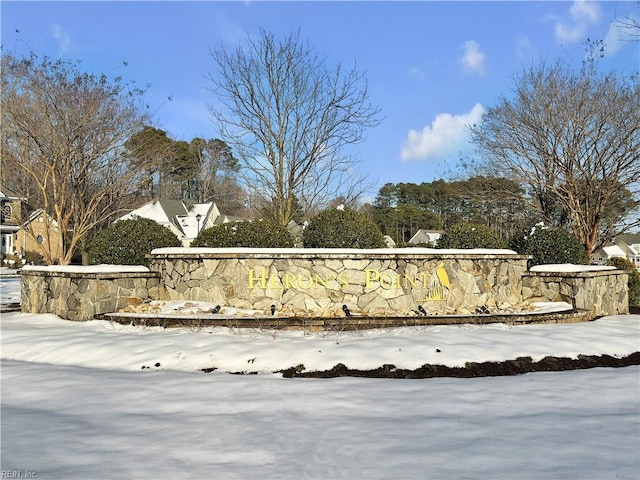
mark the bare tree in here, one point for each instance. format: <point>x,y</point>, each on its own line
<point>63,133</point>
<point>289,118</point>
<point>630,26</point>
<point>573,139</point>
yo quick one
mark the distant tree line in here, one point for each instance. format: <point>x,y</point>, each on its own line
<point>401,209</point>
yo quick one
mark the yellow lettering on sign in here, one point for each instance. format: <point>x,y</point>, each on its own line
<point>371,275</point>
<point>290,281</point>
<point>262,278</point>
<point>373,279</point>
<point>387,281</point>
<point>410,281</point>
<point>319,280</point>
<point>305,278</point>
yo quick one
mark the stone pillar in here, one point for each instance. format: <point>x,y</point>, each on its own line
<point>81,293</point>
<point>599,291</point>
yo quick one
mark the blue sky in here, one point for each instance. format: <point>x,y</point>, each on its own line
<point>432,66</point>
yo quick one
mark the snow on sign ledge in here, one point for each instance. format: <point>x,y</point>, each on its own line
<point>570,268</point>
<point>330,251</point>
<point>87,268</point>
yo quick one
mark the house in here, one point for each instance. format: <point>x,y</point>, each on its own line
<point>26,230</point>
<point>297,230</point>
<point>185,220</point>
<point>426,237</point>
<point>389,241</point>
<point>222,218</point>
<point>11,206</point>
<point>624,246</point>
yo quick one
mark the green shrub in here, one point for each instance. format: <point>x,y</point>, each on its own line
<point>470,235</point>
<point>342,228</point>
<point>127,242</point>
<point>257,234</point>
<point>634,278</point>
<point>549,245</point>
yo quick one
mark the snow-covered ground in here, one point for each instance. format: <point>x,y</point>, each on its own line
<point>77,403</point>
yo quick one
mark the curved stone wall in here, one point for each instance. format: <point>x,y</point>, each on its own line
<point>320,282</point>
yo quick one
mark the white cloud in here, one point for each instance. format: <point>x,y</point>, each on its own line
<point>473,58</point>
<point>587,10</point>
<point>569,34</point>
<point>615,39</point>
<point>63,38</point>
<point>446,135</point>
<point>524,48</point>
<point>583,14</point>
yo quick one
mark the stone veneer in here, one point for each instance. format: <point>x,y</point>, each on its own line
<point>601,291</point>
<point>81,293</point>
<point>318,282</point>
<point>380,282</point>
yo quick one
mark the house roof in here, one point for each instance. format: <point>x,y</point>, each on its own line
<point>8,193</point>
<point>173,208</point>
<point>178,215</point>
<point>623,246</point>
<point>424,236</point>
<point>159,211</point>
<point>614,251</point>
<point>629,238</point>
<point>190,224</point>
<point>227,219</point>
<point>630,242</point>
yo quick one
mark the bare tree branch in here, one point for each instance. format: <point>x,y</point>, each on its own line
<point>63,134</point>
<point>573,139</point>
<point>289,118</point>
<point>631,26</point>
